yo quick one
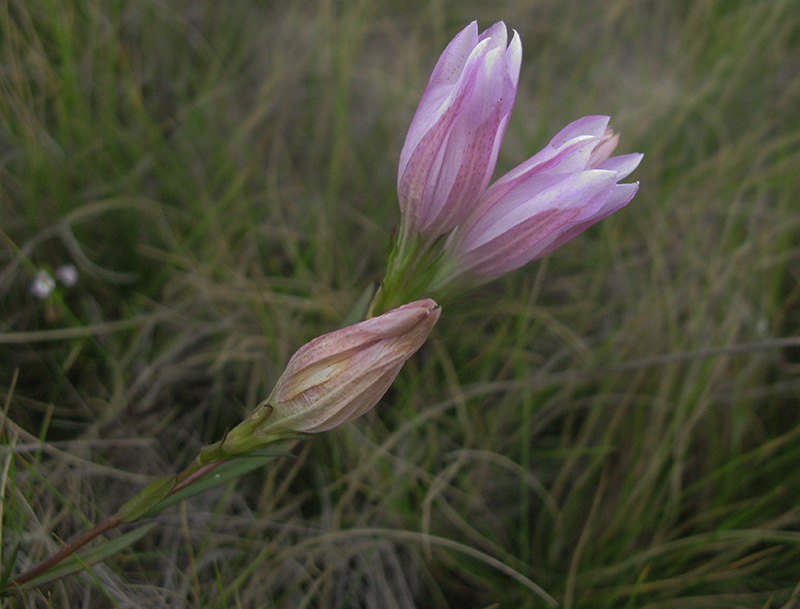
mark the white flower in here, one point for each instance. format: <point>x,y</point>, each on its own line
<point>43,284</point>
<point>67,275</point>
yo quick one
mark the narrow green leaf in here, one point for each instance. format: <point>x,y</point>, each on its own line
<point>6,576</point>
<point>85,559</point>
<point>227,471</point>
<point>147,498</point>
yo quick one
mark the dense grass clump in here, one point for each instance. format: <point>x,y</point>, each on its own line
<point>617,425</point>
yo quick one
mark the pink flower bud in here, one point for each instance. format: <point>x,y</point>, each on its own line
<point>543,203</point>
<point>341,375</point>
<point>452,144</point>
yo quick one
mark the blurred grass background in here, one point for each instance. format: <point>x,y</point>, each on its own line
<point>617,424</point>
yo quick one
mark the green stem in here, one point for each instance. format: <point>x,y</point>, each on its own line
<point>192,473</point>
<point>407,274</point>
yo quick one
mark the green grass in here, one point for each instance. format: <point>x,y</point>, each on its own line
<point>618,424</point>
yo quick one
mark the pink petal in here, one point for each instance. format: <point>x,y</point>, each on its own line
<point>568,158</point>
<point>514,59</point>
<point>451,149</point>
<point>587,131</point>
<point>440,103</point>
<point>470,152</point>
<point>620,196</point>
<point>588,125</point>
<point>604,149</point>
<point>623,164</point>
<point>491,249</point>
<point>454,56</point>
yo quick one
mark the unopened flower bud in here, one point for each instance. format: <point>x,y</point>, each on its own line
<point>341,375</point>
<point>336,377</point>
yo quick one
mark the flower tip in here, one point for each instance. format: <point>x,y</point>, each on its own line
<point>428,303</point>
<point>429,312</point>
<point>604,148</point>
<point>514,58</point>
<point>636,158</point>
<point>425,305</point>
<point>471,30</point>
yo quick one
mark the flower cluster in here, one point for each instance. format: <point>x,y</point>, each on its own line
<point>446,165</point>
<point>44,284</point>
<point>456,230</point>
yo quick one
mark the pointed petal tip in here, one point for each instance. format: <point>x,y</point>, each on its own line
<point>514,58</point>
<point>623,164</point>
<point>497,32</point>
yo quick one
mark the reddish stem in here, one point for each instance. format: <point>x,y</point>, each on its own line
<point>98,529</point>
<point>186,477</point>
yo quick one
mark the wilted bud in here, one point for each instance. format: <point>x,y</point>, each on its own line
<point>336,377</point>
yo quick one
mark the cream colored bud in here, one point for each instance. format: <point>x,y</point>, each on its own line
<point>341,375</point>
